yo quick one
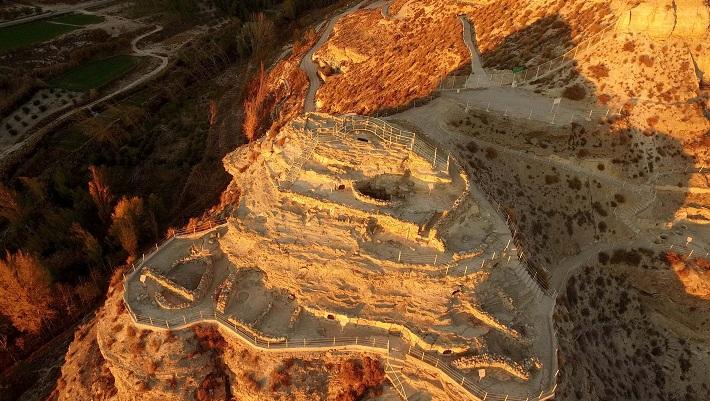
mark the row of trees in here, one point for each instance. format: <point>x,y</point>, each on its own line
<point>56,260</point>
<point>65,228</point>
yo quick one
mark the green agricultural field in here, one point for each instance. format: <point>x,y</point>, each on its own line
<point>14,37</point>
<point>78,19</point>
<point>95,73</point>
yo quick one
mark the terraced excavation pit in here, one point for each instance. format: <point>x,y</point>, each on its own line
<point>386,187</point>
<point>188,274</point>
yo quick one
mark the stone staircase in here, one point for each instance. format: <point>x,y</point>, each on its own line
<point>627,217</point>
<point>295,170</point>
<point>393,372</point>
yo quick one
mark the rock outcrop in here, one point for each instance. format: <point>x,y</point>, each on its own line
<point>665,18</point>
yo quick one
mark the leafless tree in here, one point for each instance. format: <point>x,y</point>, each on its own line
<point>26,287</point>
<point>100,192</point>
<point>6,347</point>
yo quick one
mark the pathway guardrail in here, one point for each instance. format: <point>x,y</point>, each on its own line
<point>379,344</point>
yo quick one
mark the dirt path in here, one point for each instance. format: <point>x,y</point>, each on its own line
<point>523,104</point>
<point>478,76</point>
<point>479,97</point>
<point>310,67</point>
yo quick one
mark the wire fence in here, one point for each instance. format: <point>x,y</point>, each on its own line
<point>186,232</point>
<point>379,344</point>
<point>529,74</point>
<point>455,376</point>
<point>393,136</point>
<point>348,126</point>
<point>368,343</point>
<point>553,114</point>
<point>394,378</point>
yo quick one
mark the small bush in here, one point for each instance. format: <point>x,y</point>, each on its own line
<point>279,378</point>
<point>206,390</point>
<point>551,179</point>
<point>151,367</point>
<point>169,337</point>
<point>652,121</point>
<point>209,337</point>
<point>491,153</point>
<point>360,377</point>
<point>630,258</point>
<point>599,71</point>
<point>575,92</point>
<point>603,258</point>
<point>602,227</point>
<point>250,382</point>
<point>646,60</point>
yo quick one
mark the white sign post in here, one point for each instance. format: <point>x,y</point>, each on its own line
<point>556,102</point>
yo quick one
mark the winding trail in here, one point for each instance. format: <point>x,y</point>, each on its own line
<point>481,77</point>
<point>34,138</point>
<point>310,67</point>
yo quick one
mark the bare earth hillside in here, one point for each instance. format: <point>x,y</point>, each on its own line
<point>524,239</point>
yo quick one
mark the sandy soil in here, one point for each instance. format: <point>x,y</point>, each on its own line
<point>364,202</point>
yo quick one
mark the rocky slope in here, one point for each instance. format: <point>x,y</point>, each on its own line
<point>113,359</point>
<point>628,330</point>
<point>628,313</point>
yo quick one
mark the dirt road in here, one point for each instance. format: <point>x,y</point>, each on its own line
<point>310,68</point>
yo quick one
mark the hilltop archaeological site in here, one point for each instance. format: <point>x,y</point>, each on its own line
<point>446,200</point>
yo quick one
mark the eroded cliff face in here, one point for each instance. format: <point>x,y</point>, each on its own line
<point>113,359</point>
<point>688,19</point>
<point>153,364</point>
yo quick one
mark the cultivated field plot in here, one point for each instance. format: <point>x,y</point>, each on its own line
<point>22,35</point>
<point>95,74</point>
